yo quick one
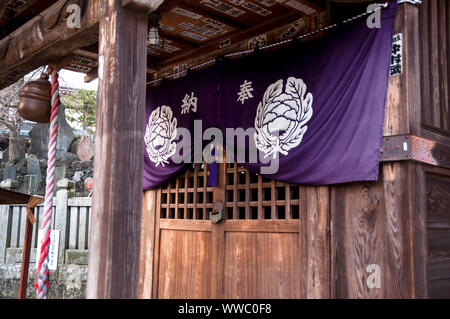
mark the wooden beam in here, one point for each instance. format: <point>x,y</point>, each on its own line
<point>91,76</point>
<point>186,42</point>
<point>415,148</point>
<point>208,14</point>
<point>114,246</point>
<point>236,36</point>
<point>45,39</point>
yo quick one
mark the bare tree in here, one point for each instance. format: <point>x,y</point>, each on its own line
<point>10,118</point>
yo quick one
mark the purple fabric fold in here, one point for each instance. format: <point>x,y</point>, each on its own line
<point>316,107</point>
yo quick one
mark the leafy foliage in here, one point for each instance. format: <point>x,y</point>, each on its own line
<point>81,107</point>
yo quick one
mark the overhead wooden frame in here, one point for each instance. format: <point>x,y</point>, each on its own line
<point>191,31</point>
<point>46,39</point>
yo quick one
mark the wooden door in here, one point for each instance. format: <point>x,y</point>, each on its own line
<point>253,253</point>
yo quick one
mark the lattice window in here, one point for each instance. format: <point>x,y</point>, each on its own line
<point>247,196</point>
<point>251,196</point>
<point>188,195</point>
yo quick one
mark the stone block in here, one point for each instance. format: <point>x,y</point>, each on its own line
<point>76,257</point>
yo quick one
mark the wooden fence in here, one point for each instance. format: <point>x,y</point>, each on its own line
<point>71,215</point>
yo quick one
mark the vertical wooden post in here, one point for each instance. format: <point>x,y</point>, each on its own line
<point>25,259</point>
<point>5,230</point>
<point>117,197</point>
<point>314,242</point>
<point>405,241</point>
<point>147,244</point>
<point>218,233</point>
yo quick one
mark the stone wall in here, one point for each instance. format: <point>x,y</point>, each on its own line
<point>68,282</point>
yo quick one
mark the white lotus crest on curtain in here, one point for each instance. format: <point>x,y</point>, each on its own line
<point>160,134</point>
<point>281,117</point>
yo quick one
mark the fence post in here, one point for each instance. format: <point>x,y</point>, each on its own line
<point>62,215</point>
<point>5,231</point>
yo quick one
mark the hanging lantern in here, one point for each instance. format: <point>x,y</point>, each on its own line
<point>154,36</point>
<point>35,100</point>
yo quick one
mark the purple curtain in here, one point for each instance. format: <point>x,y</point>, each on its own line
<point>314,112</point>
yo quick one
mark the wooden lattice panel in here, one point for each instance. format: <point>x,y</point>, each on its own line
<point>251,196</point>
<point>188,195</point>
<point>247,196</point>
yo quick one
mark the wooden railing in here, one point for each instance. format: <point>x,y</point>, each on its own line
<point>71,215</point>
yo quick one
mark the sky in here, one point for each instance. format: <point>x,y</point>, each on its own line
<point>76,80</point>
<point>70,79</point>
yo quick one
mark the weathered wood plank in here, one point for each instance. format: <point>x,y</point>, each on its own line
<point>15,227</point>
<point>157,245</point>
<point>314,242</point>
<point>403,112</point>
<point>74,227</point>
<point>218,234</point>
<point>434,61</point>
<point>425,65</point>
<point>25,259</point>
<point>45,39</point>
<point>83,228</point>
<point>273,226</point>
<point>186,258</point>
<point>397,231</point>
<point>117,203</point>
<point>358,239</point>
<point>443,20</point>
<point>147,244</point>
<point>261,265</point>
<point>418,222</point>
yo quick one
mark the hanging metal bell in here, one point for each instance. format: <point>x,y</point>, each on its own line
<point>35,100</point>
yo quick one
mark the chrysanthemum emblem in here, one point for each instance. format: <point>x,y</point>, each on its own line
<point>281,117</point>
<point>160,134</point>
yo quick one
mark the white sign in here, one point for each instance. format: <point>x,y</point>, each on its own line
<point>397,55</point>
<point>54,247</point>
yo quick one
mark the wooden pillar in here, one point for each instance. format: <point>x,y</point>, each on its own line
<point>379,228</point>
<point>117,197</point>
<point>25,259</point>
<point>315,242</point>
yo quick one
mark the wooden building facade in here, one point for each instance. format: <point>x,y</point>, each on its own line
<point>276,240</point>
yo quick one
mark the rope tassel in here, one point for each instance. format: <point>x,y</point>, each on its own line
<point>42,283</point>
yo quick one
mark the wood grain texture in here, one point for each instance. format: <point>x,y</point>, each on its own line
<point>185,264</point>
<point>261,265</point>
<point>403,102</point>
<point>397,231</point>
<point>438,226</point>
<point>25,259</point>
<point>418,226</point>
<point>434,32</point>
<point>358,239</point>
<point>315,242</point>
<point>45,39</point>
<point>147,245</point>
<point>117,203</point>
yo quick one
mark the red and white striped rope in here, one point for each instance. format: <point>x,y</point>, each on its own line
<point>42,283</point>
